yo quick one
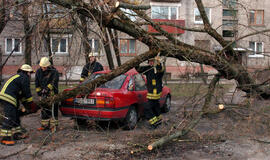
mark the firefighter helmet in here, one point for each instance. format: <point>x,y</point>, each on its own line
<point>93,54</point>
<point>44,62</point>
<point>26,67</point>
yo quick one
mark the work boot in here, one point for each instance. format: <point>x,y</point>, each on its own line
<point>8,141</point>
<point>159,121</point>
<point>53,125</point>
<point>19,136</point>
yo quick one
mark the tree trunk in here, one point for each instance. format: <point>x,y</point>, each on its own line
<point>28,35</point>
<point>46,33</point>
<point>85,39</point>
<point>114,36</point>
<point>107,41</point>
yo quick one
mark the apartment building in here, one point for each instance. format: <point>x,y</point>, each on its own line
<point>233,19</point>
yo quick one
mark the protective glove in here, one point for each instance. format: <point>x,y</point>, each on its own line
<point>82,79</point>
<point>30,107</point>
<point>45,91</point>
<point>34,107</point>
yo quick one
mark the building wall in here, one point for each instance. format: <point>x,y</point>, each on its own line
<point>70,65</point>
<point>255,62</point>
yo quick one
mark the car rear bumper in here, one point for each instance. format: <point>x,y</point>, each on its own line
<point>94,113</point>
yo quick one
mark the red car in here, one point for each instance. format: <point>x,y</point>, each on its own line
<point>119,99</point>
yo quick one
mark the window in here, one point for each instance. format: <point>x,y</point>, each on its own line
<point>231,13</point>
<point>228,33</point>
<point>13,44</point>
<point>256,17</point>
<point>59,45</point>
<point>257,48</point>
<point>230,3</point>
<point>229,22</point>
<point>127,47</point>
<point>139,83</point>
<point>198,18</point>
<point>164,12</point>
<point>94,45</point>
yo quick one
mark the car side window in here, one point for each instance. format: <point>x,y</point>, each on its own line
<point>139,83</point>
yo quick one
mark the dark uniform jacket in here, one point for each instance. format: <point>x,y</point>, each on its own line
<point>17,88</point>
<point>47,80</point>
<point>90,68</point>
<point>154,80</point>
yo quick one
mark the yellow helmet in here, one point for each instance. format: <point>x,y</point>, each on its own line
<point>44,62</point>
<point>93,54</point>
<point>26,67</point>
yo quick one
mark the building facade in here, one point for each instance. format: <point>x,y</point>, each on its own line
<point>233,19</point>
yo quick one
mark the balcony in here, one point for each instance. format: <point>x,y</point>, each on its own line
<point>169,29</point>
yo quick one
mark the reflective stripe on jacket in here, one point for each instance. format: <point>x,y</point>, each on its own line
<point>15,88</point>
<point>154,80</point>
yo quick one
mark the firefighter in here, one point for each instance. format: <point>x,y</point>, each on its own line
<point>46,81</point>
<point>91,67</point>
<point>154,72</point>
<point>14,90</point>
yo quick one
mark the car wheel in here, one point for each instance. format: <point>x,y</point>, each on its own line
<point>167,105</point>
<point>131,119</point>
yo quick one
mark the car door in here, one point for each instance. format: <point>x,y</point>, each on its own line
<point>140,90</point>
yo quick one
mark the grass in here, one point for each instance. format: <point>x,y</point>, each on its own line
<point>186,90</point>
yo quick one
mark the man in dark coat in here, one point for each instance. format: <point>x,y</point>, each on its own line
<point>14,90</point>
<point>91,67</point>
<point>154,73</point>
<point>46,81</point>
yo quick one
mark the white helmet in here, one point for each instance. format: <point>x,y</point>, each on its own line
<point>93,54</point>
<point>44,62</point>
<point>26,67</point>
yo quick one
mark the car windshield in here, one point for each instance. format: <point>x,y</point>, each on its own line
<point>115,83</point>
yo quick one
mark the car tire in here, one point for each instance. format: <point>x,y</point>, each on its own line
<point>167,105</point>
<point>131,119</point>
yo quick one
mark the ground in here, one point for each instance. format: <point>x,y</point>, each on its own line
<point>231,134</point>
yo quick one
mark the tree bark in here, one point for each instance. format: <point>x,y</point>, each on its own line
<point>114,36</point>
<point>107,41</point>
<point>85,39</point>
<point>28,35</point>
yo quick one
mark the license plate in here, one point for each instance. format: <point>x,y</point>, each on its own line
<point>84,100</point>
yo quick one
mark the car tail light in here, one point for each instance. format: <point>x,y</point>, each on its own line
<point>106,102</point>
<point>69,100</point>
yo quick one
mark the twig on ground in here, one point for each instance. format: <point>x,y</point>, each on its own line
<point>260,141</point>
<point>42,144</point>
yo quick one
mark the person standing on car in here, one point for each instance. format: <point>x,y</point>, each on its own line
<point>91,67</point>
<point>46,81</point>
<point>154,72</point>
<point>14,90</point>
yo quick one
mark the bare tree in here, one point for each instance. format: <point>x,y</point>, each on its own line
<point>28,34</point>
